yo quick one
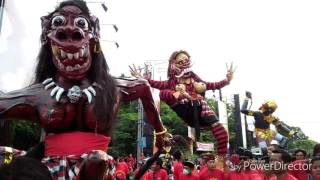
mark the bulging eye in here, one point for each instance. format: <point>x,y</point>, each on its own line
<point>58,21</point>
<point>81,22</point>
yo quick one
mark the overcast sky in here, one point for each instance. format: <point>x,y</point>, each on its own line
<point>275,45</point>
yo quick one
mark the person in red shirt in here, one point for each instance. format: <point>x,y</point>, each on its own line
<point>177,164</point>
<point>131,161</point>
<point>279,160</point>
<point>211,172</point>
<point>316,168</point>
<point>242,169</point>
<point>122,169</point>
<point>188,172</point>
<point>156,171</point>
<point>297,169</point>
<point>204,158</point>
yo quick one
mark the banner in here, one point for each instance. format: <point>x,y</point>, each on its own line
<point>205,146</point>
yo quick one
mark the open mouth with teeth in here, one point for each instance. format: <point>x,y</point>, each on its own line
<point>72,62</point>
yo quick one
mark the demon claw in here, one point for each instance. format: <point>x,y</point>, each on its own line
<point>49,85</point>
<point>88,94</point>
<point>59,93</point>
<point>90,88</point>
<point>47,81</point>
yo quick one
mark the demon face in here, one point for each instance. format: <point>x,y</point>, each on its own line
<point>182,61</point>
<point>69,34</point>
<point>268,107</point>
<point>180,64</point>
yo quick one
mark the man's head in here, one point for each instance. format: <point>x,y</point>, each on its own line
<point>316,150</point>
<point>300,154</point>
<point>316,165</point>
<point>273,146</point>
<point>279,159</point>
<point>206,156</point>
<point>245,159</point>
<point>156,165</point>
<point>177,155</point>
<point>209,159</point>
<point>188,167</point>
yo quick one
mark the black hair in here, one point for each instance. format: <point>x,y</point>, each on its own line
<point>300,150</point>
<point>316,150</point>
<point>285,156</point>
<point>159,162</point>
<point>316,158</point>
<point>177,155</point>
<point>248,154</point>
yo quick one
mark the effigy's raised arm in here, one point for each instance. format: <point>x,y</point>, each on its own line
<point>18,105</point>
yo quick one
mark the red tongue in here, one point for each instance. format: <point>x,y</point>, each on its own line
<point>73,62</point>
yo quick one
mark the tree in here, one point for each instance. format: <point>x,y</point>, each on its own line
<point>306,144</point>
<point>124,135</point>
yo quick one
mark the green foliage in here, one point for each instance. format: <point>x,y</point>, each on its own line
<point>124,136</point>
<point>305,144</point>
<point>231,125</point>
<point>25,134</point>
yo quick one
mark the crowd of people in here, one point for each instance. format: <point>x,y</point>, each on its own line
<point>240,165</point>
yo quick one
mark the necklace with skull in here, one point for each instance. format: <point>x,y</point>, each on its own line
<point>74,93</point>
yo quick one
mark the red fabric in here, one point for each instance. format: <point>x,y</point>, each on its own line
<point>315,177</point>
<point>131,162</point>
<point>216,173</point>
<point>74,143</point>
<point>161,174</point>
<point>144,177</point>
<point>233,176</point>
<point>120,175</point>
<point>247,175</point>
<point>177,169</point>
<point>221,136</point>
<point>202,168</point>
<point>296,169</point>
<point>253,175</point>
<point>287,177</point>
<point>122,168</point>
<point>188,177</point>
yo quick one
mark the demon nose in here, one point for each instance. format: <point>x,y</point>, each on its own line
<point>69,34</point>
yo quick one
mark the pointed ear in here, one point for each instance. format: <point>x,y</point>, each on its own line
<point>45,22</point>
<point>95,26</point>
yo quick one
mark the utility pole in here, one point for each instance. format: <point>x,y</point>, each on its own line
<point>1,12</point>
<point>140,142</point>
<point>241,141</point>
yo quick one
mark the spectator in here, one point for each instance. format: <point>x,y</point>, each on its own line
<point>157,172</point>
<point>122,169</point>
<point>204,158</point>
<point>316,150</point>
<point>316,168</point>
<point>300,154</point>
<point>210,171</point>
<point>279,161</point>
<point>177,164</point>
<point>274,145</point>
<point>131,162</point>
<point>189,172</point>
